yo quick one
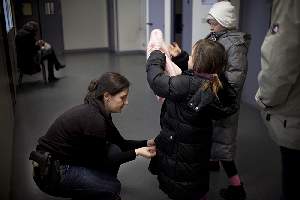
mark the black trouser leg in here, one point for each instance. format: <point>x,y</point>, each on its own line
<point>230,168</point>
<point>52,61</point>
<point>50,69</point>
<point>53,57</point>
<point>290,162</point>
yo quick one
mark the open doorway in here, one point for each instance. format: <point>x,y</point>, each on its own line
<point>182,15</point>
<point>177,22</point>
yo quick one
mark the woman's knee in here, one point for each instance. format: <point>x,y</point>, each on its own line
<point>113,152</point>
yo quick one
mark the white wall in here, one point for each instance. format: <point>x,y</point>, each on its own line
<point>84,24</point>
<point>131,19</point>
<point>200,27</point>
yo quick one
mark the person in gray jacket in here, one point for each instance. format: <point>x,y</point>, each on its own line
<point>223,23</point>
<point>278,94</point>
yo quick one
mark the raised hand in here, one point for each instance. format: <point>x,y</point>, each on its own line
<point>150,143</point>
<point>174,49</point>
<point>40,43</point>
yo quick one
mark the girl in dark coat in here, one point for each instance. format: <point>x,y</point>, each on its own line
<point>86,148</point>
<point>192,101</point>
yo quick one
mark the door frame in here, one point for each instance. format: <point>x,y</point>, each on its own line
<point>167,20</point>
<point>113,44</point>
<point>47,26</point>
<point>187,23</point>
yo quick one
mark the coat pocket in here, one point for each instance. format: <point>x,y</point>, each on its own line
<point>292,122</point>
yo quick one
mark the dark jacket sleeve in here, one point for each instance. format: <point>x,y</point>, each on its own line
<point>236,70</point>
<point>182,60</point>
<point>127,147</point>
<point>173,88</point>
<point>25,42</point>
<point>227,102</point>
<point>128,151</point>
<point>101,130</point>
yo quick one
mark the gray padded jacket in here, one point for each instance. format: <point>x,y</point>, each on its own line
<point>225,131</point>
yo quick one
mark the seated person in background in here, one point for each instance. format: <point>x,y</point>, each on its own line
<point>31,51</point>
<point>86,148</point>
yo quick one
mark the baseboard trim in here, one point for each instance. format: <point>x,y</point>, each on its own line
<point>105,49</point>
<point>91,50</point>
<point>130,52</point>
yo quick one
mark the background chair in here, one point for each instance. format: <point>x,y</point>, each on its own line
<point>43,69</point>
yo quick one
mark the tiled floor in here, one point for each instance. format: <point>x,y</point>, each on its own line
<point>38,105</point>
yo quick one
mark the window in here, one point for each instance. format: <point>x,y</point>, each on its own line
<point>27,9</point>
<point>8,15</point>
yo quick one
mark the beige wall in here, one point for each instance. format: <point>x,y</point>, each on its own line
<point>131,24</point>
<point>84,24</point>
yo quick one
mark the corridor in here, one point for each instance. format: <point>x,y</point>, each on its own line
<point>38,105</point>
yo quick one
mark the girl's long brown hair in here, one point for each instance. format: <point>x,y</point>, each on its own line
<point>209,57</point>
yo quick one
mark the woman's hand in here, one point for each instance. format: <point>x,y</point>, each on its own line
<point>150,143</point>
<point>40,43</point>
<point>146,152</point>
<point>174,49</point>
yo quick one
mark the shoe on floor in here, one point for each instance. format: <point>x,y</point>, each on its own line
<point>58,67</point>
<point>117,197</point>
<point>233,192</point>
<point>52,79</point>
<point>214,166</point>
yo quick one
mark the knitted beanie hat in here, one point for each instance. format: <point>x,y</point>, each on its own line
<point>224,13</point>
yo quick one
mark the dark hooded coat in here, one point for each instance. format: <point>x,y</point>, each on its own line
<point>184,143</point>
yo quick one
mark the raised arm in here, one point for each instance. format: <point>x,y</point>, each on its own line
<point>179,57</point>
<point>174,87</point>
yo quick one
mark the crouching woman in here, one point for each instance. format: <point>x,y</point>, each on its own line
<point>80,155</point>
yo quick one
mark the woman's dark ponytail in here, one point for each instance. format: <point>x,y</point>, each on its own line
<point>110,82</point>
<point>91,95</point>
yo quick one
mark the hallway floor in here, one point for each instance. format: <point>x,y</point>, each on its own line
<point>38,105</point>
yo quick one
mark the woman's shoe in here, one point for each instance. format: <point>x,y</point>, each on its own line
<point>59,66</point>
<point>52,79</point>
